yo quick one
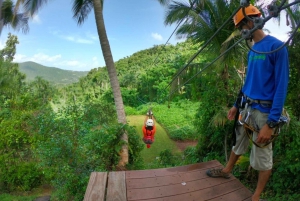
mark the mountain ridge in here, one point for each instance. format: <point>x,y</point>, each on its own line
<point>54,75</point>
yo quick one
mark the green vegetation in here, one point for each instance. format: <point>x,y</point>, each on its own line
<point>53,75</point>
<point>59,136</point>
<point>8,197</point>
<point>176,118</point>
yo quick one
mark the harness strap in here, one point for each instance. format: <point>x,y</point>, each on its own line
<point>250,100</point>
<point>249,130</point>
<point>239,103</point>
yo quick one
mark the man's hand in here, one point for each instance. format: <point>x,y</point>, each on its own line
<point>231,113</point>
<point>264,134</point>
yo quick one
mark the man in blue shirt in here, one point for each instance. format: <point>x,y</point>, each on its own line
<point>266,89</point>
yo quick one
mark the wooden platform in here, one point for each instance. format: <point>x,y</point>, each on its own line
<point>184,183</point>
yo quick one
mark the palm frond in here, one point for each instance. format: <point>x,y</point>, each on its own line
<point>31,6</point>
<point>17,21</point>
<point>164,2</point>
<point>176,12</point>
<point>220,118</point>
<point>81,9</point>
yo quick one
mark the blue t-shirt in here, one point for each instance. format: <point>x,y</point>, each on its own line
<point>267,76</point>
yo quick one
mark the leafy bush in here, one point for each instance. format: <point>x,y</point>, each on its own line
<point>285,178</point>
<point>97,111</point>
<point>285,197</point>
<point>190,155</point>
<point>17,166</point>
<point>130,110</point>
<point>135,146</point>
<point>72,146</point>
<point>23,177</point>
<point>166,158</point>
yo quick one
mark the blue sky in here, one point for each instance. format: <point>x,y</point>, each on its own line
<point>55,39</point>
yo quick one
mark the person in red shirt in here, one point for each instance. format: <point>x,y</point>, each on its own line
<point>149,130</point>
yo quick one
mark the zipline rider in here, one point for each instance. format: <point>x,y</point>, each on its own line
<point>149,129</point>
<point>265,89</point>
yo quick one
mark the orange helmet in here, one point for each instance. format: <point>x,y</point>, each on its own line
<point>250,10</point>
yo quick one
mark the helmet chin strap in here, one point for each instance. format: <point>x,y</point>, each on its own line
<point>258,23</point>
<point>246,33</point>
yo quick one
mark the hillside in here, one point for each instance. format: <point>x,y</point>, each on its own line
<point>53,75</point>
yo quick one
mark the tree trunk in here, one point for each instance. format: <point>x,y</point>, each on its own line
<point>112,73</point>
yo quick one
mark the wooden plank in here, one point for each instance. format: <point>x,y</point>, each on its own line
<point>116,189</point>
<point>188,183</point>
<point>177,189</point>
<point>96,187</point>
<point>167,180</point>
<point>171,171</point>
<point>194,194</point>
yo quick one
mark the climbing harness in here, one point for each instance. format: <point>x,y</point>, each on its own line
<point>150,113</point>
<point>240,105</point>
<point>249,125</point>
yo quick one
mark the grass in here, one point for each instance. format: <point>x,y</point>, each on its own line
<point>7,197</point>
<point>44,190</point>
<point>161,143</point>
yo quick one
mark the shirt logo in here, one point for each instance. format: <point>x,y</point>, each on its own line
<point>257,57</point>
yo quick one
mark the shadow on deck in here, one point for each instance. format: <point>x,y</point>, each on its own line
<point>184,183</point>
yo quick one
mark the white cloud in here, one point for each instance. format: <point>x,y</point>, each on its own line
<point>20,58</point>
<point>72,65</point>
<point>95,62</point>
<point>38,58</point>
<point>77,39</point>
<point>156,36</point>
<point>87,39</point>
<point>92,36</point>
<point>2,44</point>
<point>36,19</point>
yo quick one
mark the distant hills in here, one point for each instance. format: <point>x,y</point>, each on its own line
<point>54,75</point>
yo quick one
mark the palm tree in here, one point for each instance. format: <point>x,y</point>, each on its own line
<point>81,9</point>
<point>11,18</point>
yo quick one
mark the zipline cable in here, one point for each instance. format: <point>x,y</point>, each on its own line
<point>204,68</point>
<point>204,46</point>
<point>192,5</point>
<point>168,39</point>
<point>279,48</point>
<point>245,35</point>
<point>164,47</point>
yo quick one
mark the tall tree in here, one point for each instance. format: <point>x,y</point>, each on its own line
<point>11,79</point>
<point>81,9</point>
<point>9,50</point>
<point>202,21</point>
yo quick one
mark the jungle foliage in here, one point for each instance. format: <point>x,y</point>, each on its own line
<point>58,136</point>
